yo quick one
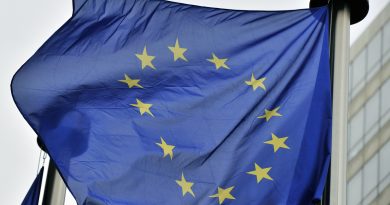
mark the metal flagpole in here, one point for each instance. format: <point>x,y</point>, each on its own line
<point>340,22</point>
<point>343,13</point>
<point>55,188</point>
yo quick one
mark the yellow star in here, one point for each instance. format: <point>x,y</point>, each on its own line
<point>270,113</point>
<point>178,52</point>
<point>167,149</point>
<point>131,82</point>
<point>219,62</point>
<point>223,194</point>
<point>185,185</point>
<point>256,83</point>
<point>146,60</point>
<point>277,142</point>
<point>260,173</point>
<point>143,107</point>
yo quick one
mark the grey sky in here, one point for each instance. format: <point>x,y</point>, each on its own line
<point>24,26</point>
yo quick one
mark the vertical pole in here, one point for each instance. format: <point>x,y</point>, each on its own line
<point>55,188</point>
<point>340,22</point>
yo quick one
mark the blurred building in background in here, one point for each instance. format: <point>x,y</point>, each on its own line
<point>368,171</point>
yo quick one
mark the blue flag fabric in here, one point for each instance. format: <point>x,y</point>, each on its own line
<point>152,102</point>
<point>32,196</point>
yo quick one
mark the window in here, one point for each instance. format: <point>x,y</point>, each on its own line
<point>371,116</point>
<point>385,102</point>
<point>370,179</point>
<point>354,189</point>
<point>386,42</point>
<point>358,72</point>
<point>356,134</point>
<point>374,55</point>
<point>384,166</point>
<point>350,82</point>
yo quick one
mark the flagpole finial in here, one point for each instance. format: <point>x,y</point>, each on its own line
<point>359,8</point>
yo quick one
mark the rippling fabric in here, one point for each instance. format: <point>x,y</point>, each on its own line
<point>152,103</point>
<point>32,196</point>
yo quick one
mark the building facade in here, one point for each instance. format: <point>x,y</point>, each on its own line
<point>368,172</point>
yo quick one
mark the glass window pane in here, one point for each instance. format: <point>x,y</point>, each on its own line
<point>385,102</point>
<point>386,42</point>
<point>351,152</point>
<point>354,189</point>
<point>356,128</point>
<point>384,183</point>
<point>359,71</point>
<point>374,54</point>
<point>370,175</point>
<point>384,162</point>
<point>349,134</point>
<point>350,81</point>
<point>372,116</point>
<point>370,197</point>
<point>355,150</point>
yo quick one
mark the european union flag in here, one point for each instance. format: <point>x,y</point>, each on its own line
<point>152,102</point>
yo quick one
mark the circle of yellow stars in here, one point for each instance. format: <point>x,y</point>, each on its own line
<point>146,61</point>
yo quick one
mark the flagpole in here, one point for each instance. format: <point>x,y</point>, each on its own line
<point>343,14</point>
<point>55,188</point>
<point>340,23</point>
